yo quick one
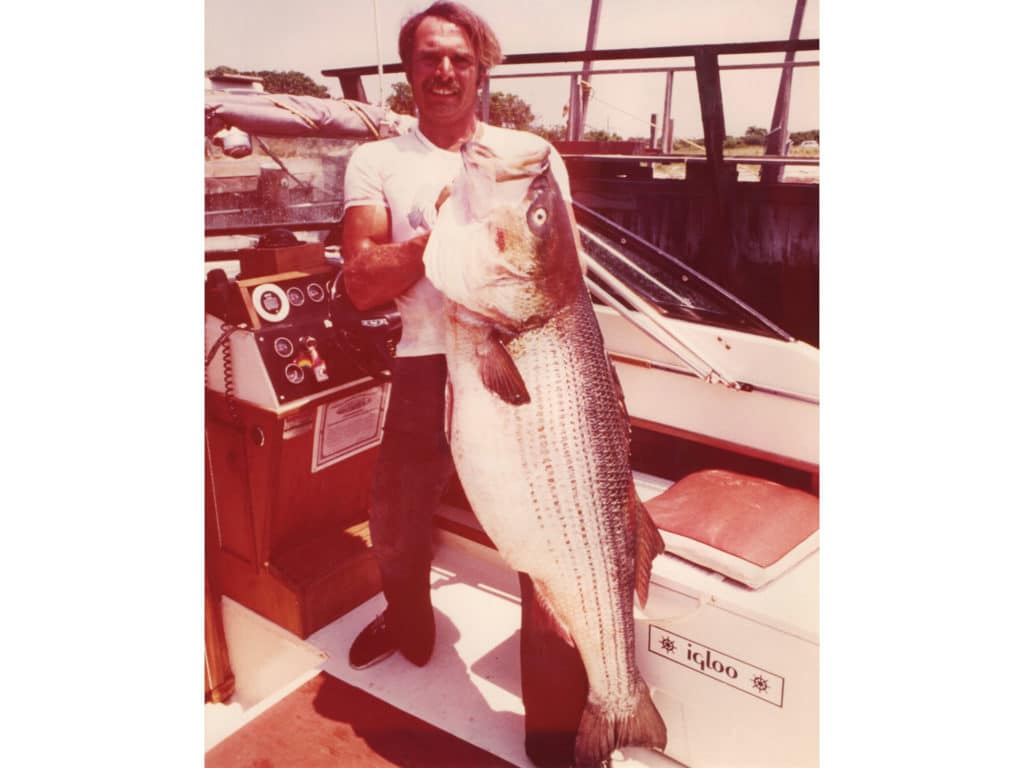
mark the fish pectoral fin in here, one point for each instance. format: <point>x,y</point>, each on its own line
<point>649,544</point>
<point>499,373</point>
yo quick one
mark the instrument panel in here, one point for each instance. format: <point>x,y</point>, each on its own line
<point>300,349</point>
<point>298,298</point>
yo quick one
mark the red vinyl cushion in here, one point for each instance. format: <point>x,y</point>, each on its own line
<point>756,520</point>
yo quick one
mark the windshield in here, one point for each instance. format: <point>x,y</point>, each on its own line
<point>675,289</point>
<point>295,182</point>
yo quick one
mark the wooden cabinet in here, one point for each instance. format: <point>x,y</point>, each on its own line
<point>290,543</point>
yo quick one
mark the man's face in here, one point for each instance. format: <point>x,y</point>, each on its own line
<point>443,72</point>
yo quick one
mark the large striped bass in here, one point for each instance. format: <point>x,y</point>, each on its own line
<point>538,428</point>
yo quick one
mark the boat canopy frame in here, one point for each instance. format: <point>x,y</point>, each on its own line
<point>706,65</point>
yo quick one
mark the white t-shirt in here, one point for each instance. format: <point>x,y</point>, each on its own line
<point>406,173</point>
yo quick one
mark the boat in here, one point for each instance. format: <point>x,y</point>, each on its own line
<point>723,400</point>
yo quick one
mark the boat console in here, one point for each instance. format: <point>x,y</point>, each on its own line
<point>297,387</point>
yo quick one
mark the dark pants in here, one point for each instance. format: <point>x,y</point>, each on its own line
<point>554,684</point>
<point>413,467</point>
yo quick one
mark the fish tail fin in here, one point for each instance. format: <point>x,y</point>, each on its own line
<point>649,544</point>
<point>602,731</point>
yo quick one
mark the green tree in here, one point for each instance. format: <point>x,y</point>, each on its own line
<point>509,111</point>
<point>595,134</point>
<point>552,133</point>
<point>799,136</point>
<point>400,99</point>
<point>293,82</point>
<point>755,135</point>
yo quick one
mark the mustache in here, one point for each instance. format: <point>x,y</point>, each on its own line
<point>446,83</point>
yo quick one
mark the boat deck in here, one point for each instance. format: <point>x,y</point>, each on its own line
<point>470,688</point>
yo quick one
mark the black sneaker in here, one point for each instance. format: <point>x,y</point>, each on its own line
<point>375,643</point>
<point>417,644</point>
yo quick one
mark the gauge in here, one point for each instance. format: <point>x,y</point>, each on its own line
<point>296,297</point>
<point>283,346</point>
<point>270,302</point>
<point>294,374</point>
<point>315,292</point>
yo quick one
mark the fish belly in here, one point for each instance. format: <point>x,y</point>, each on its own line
<point>551,485</point>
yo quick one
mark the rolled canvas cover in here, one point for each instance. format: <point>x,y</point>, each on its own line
<point>280,114</point>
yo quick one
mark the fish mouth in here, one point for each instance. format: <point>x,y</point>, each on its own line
<point>508,274</point>
<point>477,156</point>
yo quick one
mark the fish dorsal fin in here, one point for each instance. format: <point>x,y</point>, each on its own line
<point>649,545</point>
<point>498,371</point>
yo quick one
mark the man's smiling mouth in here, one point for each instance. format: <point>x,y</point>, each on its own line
<point>443,90</point>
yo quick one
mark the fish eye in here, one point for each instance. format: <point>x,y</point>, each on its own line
<point>537,217</point>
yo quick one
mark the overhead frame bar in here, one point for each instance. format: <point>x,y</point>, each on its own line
<point>612,54</point>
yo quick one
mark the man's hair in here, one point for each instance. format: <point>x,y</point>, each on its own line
<point>481,36</point>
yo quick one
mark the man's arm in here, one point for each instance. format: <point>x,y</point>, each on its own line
<point>377,270</point>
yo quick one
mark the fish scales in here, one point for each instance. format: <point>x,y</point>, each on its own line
<point>538,431</point>
<point>567,449</point>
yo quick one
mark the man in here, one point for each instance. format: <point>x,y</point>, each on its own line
<point>392,191</point>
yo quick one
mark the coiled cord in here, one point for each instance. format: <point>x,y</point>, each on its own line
<point>229,374</point>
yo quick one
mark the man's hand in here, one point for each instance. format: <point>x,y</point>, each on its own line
<point>425,206</point>
<point>376,270</point>
<point>445,193</point>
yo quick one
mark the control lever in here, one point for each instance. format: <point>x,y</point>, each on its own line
<point>367,337</point>
<point>313,358</point>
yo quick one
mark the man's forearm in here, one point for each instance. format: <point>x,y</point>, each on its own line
<point>379,273</point>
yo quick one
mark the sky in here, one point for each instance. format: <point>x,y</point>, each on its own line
<point>313,35</point>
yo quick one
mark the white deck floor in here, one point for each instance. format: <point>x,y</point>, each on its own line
<point>470,688</point>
